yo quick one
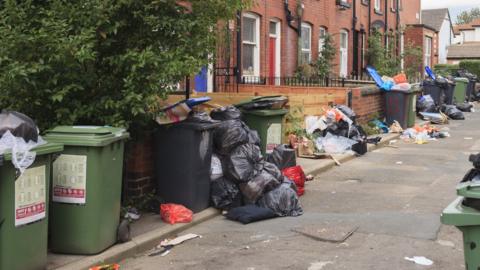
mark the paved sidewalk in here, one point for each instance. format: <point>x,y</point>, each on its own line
<point>394,195</point>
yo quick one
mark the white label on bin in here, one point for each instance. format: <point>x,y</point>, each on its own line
<point>70,179</point>
<point>30,196</point>
<point>414,103</point>
<point>274,137</point>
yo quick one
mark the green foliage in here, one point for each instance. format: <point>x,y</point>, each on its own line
<point>473,66</point>
<point>102,61</point>
<point>324,62</point>
<point>445,69</point>
<point>413,61</point>
<point>468,16</point>
<point>383,58</point>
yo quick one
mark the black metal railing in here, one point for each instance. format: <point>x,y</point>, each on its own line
<point>330,81</point>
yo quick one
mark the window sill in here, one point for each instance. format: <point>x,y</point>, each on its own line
<point>378,12</point>
<point>365,3</point>
<point>343,4</point>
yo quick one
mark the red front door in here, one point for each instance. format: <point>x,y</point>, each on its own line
<point>271,60</point>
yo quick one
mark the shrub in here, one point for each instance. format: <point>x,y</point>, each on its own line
<point>445,69</point>
<point>472,66</point>
<point>101,61</point>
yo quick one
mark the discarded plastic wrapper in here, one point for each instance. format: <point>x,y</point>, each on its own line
<point>175,213</point>
<point>173,114</point>
<point>332,144</point>
<point>22,156</point>
<point>420,260</point>
<point>168,244</point>
<point>435,118</point>
<point>106,267</point>
<point>19,125</point>
<point>313,123</point>
<point>216,170</point>
<point>396,127</point>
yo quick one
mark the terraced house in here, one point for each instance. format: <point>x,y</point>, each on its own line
<point>272,38</point>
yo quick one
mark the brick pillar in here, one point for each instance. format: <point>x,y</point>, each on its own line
<point>139,162</point>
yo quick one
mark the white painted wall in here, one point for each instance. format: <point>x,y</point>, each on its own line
<point>469,36</point>
<point>444,40</point>
<point>458,39</point>
<point>477,33</point>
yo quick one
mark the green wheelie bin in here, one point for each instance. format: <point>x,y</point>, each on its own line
<point>86,188</point>
<point>268,124</point>
<point>460,91</point>
<point>24,211</point>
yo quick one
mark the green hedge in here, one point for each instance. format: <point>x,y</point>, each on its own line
<point>445,69</point>
<point>472,66</point>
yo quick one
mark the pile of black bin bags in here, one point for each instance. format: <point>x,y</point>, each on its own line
<point>247,184</point>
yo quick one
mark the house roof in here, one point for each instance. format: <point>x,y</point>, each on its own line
<point>469,26</point>
<point>466,50</point>
<point>435,17</point>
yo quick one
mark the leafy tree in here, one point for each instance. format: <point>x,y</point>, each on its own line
<point>384,59</point>
<point>104,62</point>
<point>324,62</point>
<point>468,16</point>
<point>413,59</point>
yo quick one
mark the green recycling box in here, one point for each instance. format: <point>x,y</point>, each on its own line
<point>460,91</point>
<point>24,211</point>
<point>467,220</point>
<point>86,188</point>
<point>268,124</point>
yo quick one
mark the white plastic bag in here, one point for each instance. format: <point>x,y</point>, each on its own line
<point>332,144</point>
<point>22,157</point>
<point>216,170</point>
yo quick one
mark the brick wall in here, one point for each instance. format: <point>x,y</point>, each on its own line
<point>417,33</point>
<point>322,14</point>
<point>139,162</point>
<point>366,102</point>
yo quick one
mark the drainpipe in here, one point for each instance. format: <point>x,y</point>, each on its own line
<point>397,28</point>
<point>386,22</point>
<point>238,68</point>
<point>355,38</point>
<point>369,16</point>
<point>290,18</point>
<point>300,8</point>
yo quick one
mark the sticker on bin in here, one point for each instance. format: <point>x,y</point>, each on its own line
<point>30,196</point>
<point>274,137</point>
<point>69,179</point>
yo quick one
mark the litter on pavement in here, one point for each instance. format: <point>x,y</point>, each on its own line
<point>420,260</point>
<point>168,244</point>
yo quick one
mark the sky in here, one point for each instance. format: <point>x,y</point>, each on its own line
<point>455,6</point>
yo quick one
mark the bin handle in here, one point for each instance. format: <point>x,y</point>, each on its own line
<point>1,222</point>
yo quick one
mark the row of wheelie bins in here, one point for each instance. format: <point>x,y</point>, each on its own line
<point>67,201</point>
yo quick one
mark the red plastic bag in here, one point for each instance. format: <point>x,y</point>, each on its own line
<point>297,175</point>
<point>175,213</point>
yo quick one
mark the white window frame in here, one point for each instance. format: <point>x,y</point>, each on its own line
<point>309,49</point>
<point>402,51</point>
<point>321,39</point>
<point>427,58</point>
<point>278,44</point>
<point>343,69</point>
<point>377,5</point>
<point>256,51</point>
<point>393,5</point>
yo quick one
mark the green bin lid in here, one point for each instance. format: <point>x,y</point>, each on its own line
<point>86,135</point>
<point>457,214</point>
<point>469,190</point>
<point>44,149</point>
<point>461,79</point>
<point>266,112</point>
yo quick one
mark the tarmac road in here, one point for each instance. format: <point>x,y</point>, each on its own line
<point>394,195</point>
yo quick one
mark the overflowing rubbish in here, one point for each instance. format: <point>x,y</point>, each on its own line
<point>465,107</point>
<point>297,175</point>
<point>175,213</point>
<point>283,200</point>
<point>424,134</point>
<point>426,104</point>
<point>420,260</point>
<point>334,144</point>
<point>435,118</point>
<point>18,136</point>
<point>247,178</point>
<point>250,213</point>
<point>168,244</point>
<point>283,157</point>
<point>452,112</point>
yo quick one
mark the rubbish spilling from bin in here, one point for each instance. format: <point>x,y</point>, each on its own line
<point>249,187</point>
<point>19,135</point>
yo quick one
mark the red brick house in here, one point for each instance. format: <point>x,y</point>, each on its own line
<point>272,30</point>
